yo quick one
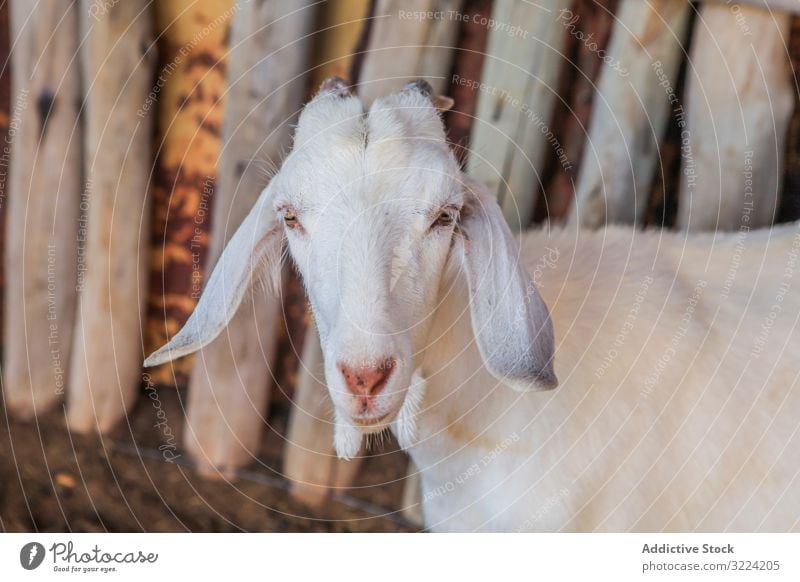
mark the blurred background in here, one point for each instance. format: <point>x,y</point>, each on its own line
<point>136,134</point>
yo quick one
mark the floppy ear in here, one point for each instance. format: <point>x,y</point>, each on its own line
<point>253,251</point>
<point>510,320</point>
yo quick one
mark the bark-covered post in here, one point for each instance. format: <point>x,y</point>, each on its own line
<point>187,101</point>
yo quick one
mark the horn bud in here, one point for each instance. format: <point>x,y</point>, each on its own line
<point>335,86</point>
<point>420,85</point>
<point>440,102</point>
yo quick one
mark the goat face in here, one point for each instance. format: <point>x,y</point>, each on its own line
<point>374,208</point>
<point>370,203</point>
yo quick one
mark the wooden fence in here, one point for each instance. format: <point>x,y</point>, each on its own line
<point>140,132</point>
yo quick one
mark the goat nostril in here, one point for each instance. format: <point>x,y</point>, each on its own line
<point>369,380</point>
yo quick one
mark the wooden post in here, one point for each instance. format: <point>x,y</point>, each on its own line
<point>511,131</point>
<point>467,64</point>
<point>229,388</point>
<point>342,25</point>
<point>188,101</point>
<point>309,460</point>
<point>740,99</point>
<point>409,39</point>
<point>630,113</point>
<point>43,204</point>
<point>116,59</point>
<point>584,48</point>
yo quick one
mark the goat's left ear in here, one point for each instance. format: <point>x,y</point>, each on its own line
<point>442,102</point>
<point>510,320</point>
<point>254,251</point>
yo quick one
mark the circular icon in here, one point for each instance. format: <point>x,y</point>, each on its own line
<point>31,555</point>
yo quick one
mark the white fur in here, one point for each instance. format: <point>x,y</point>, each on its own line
<point>709,443</point>
<point>678,400</point>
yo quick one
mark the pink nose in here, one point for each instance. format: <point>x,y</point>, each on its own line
<point>367,380</point>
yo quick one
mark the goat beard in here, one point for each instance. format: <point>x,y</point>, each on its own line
<point>347,437</point>
<point>404,425</point>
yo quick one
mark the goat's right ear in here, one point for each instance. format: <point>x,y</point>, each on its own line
<point>254,251</point>
<point>510,320</point>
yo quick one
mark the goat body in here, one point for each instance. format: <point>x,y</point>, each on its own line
<point>677,410</point>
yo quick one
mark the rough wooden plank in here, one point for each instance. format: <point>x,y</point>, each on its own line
<point>229,388</point>
<point>309,460</point>
<point>341,25</point>
<point>630,112</point>
<point>739,101</point>
<point>117,67</point>
<point>409,38</point>
<point>662,207</point>
<point>188,100</point>
<point>591,23</point>
<point>517,91</point>
<point>468,62</point>
<point>44,208</point>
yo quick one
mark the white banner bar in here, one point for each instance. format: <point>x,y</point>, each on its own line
<point>389,557</point>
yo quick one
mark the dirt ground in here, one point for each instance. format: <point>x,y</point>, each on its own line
<point>54,481</point>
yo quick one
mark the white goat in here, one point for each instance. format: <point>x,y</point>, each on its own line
<point>678,355</point>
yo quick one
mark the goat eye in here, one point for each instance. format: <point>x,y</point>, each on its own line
<point>444,220</point>
<point>290,218</point>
